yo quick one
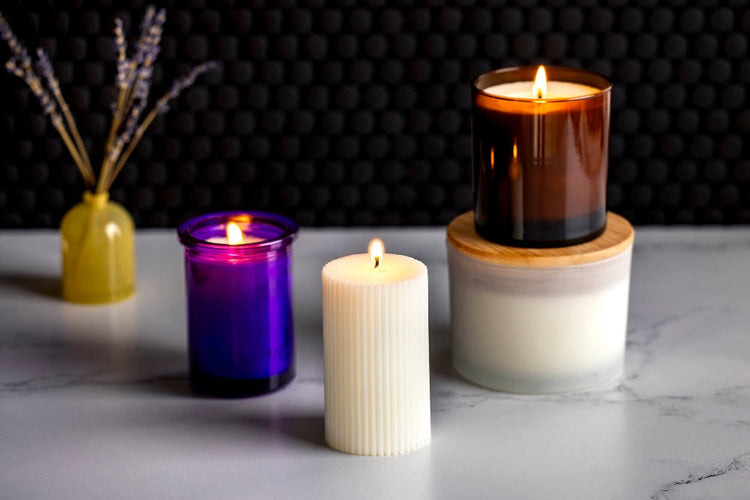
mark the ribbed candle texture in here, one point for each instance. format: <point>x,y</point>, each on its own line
<point>377,375</point>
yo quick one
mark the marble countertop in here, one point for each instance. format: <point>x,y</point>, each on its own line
<point>94,400</point>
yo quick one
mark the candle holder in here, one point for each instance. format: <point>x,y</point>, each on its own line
<point>540,163</point>
<point>240,324</point>
<point>539,320</point>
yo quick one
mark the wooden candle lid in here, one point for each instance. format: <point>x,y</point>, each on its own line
<point>617,238</point>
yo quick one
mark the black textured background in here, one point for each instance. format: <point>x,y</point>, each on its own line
<point>356,113</point>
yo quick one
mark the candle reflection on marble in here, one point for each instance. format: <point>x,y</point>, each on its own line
<point>238,278</point>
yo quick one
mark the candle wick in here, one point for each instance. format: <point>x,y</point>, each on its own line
<point>539,93</point>
<point>377,262</point>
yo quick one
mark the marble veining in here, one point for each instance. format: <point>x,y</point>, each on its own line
<point>94,400</point>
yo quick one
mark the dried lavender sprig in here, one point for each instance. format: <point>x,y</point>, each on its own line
<point>147,47</point>
<point>159,108</point>
<point>48,104</point>
<point>182,83</point>
<point>141,100</point>
<point>135,90</point>
<point>44,66</point>
<point>125,68</point>
<point>20,65</point>
<point>138,99</point>
<point>150,51</point>
<point>147,50</point>
<point>50,109</point>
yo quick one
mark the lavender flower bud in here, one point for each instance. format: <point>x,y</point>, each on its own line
<point>148,19</point>
<point>48,105</point>
<point>44,66</point>
<point>5,31</point>
<point>152,26</point>
<point>13,68</point>
<point>161,17</point>
<point>152,48</point>
<point>7,34</point>
<point>143,86</point>
<point>122,60</point>
<point>18,50</point>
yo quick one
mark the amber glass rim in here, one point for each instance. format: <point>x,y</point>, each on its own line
<point>528,73</point>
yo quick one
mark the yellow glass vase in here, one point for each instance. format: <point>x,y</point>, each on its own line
<point>98,251</point>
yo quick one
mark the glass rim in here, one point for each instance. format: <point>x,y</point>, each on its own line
<point>591,78</point>
<point>288,231</point>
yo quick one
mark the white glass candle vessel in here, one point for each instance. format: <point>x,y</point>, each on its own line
<point>376,345</point>
<point>539,320</point>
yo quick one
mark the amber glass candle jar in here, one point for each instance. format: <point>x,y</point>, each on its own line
<point>540,158</point>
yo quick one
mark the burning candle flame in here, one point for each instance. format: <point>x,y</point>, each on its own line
<point>377,249</point>
<point>540,83</point>
<point>234,234</point>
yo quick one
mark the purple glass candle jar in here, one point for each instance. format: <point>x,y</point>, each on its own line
<point>239,303</point>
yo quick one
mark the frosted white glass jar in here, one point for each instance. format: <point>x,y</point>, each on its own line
<point>539,320</point>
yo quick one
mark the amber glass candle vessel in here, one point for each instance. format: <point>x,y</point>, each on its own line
<point>540,159</point>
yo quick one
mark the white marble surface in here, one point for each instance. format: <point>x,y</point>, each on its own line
<point>94,400</point>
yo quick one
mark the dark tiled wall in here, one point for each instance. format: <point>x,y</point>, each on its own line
<point>341,113</point>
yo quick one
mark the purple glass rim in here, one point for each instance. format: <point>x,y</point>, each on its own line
<point>574,75</point>
<point>279,232</point>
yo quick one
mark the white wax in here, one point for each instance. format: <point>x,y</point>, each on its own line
<point>223,240</point>
<point>536,330</point>
<point>555,90</point>
<point>376,351</point>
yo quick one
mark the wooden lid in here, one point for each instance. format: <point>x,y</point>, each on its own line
<point>617,238</point>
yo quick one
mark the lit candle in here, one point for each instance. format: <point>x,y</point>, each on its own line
<point>238,279</point>
<point>553,127</point>
<point>234,236</point>
<point>541,89</point>
<point>376,347</point>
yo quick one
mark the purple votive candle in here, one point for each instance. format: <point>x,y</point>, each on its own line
<point>238,276</point>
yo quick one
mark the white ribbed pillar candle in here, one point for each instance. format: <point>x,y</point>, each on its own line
<point>377,373</point>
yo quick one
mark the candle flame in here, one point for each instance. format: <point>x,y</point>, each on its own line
<point>234,234</point>
<point>377,249</point>
<point>540,83</point>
